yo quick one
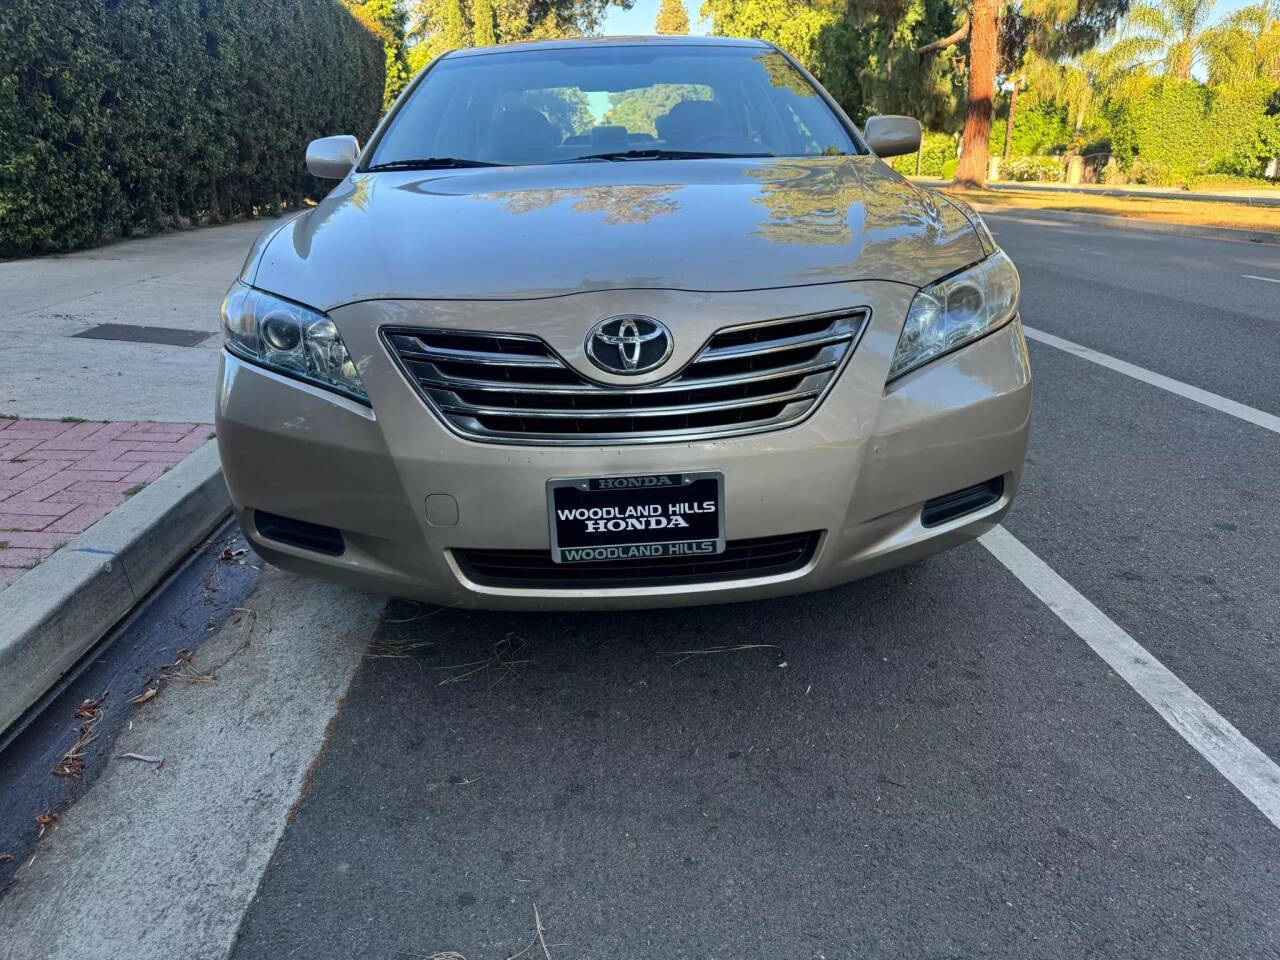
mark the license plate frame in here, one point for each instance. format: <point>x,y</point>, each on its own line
<point>660,490</point>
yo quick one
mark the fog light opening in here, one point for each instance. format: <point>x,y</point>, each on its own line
<point>299,533</point>
<point>959,502</point>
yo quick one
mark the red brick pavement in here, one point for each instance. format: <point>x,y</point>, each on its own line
<point>59,478</point>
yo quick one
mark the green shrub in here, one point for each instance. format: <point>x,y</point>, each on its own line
<point>1174,129</point>
<point>1038,127</point>
<point>1154,173</point>
<point>1033,169</point>
<point>1250,154</point>
<point>135,115</point>
<point>936,149</point>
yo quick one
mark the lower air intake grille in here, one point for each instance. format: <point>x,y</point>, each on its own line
<point>758,557</point>
<point>513,388</point>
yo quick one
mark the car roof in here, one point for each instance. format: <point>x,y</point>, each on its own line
<point>570,43</point>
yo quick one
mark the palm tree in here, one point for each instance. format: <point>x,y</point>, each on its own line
<point>1245,46</point>
<point>1172,32</point>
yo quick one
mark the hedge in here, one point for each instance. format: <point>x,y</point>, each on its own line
<point>1033,169</point>
<point>936,150</point>
<point>127,116</point>
<point>1038,128</point>
<point>1174,129</point>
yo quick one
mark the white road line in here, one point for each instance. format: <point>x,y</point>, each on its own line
<point>1231,753</point>
<point>1259,418</point>
<point>1250,276</point>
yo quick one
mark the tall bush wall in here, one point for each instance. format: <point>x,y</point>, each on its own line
<point>125,116</point>
<point>1173,129</point>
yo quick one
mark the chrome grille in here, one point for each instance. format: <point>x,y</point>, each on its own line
<point>513,388</point>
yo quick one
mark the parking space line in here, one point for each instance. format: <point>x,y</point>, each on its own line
<point>1259,418</point>
<point>1230,752</point>
<point>1250,276</point>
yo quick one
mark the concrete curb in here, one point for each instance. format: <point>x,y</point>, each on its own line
<point>1124,223</point>
<point>54,613</point>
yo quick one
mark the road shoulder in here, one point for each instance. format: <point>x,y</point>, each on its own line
<point>165,862</point>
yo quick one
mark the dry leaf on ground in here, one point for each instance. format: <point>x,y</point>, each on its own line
<point>72,762</point>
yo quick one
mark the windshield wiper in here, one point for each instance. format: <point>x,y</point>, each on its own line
<point>660,154</point>
<point>429,163</point>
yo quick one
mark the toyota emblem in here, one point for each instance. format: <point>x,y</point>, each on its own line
<point>629,345</point>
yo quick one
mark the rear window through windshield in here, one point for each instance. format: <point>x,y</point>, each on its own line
<point>581,103</point>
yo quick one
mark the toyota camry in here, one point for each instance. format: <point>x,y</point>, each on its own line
<point>620,323</point>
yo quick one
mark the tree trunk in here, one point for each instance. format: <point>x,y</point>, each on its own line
<point>972,169</point>
<point>1008,126</point>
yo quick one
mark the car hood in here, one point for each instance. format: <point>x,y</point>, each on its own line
<point>543,231</point>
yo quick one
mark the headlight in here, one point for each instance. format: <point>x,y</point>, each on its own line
<point>290,338</point>
<point>954,311</point>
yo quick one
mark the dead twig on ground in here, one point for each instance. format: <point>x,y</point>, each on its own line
<point>156,762</point>
<point>47,820</point>
<point>72,762</point>
<point>537,922</point>
<point>421,614</point>
<point>690,654</point>
<point>502,662</point>
<point>382,648</point>
<point>539,940</point>
<point>184,669</point>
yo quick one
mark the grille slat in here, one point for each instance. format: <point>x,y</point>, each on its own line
<point>712,353</point>
<point>480,357</point>
<point>827,360</point>
<point>742,559</point>
<point>666,411</point>
<point>513,388</point>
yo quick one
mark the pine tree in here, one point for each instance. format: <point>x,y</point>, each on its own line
<point>673,18</point>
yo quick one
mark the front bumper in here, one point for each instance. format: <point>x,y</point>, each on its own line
<point>858,469</point>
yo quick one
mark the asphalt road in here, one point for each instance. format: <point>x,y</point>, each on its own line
<point>930,763</point>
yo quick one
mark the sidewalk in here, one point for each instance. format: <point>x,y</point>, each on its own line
<point>57,479</point>
<point>91,414</point>
<point>53,366</point>
<point>1251,197</point>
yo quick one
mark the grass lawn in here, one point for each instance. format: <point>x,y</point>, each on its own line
<point>1135,208</point>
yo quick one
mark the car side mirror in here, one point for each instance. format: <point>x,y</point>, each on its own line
<point>892,136</point>
<point>331,158</point>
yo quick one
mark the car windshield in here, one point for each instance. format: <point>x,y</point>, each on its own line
<point>609,103</point>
